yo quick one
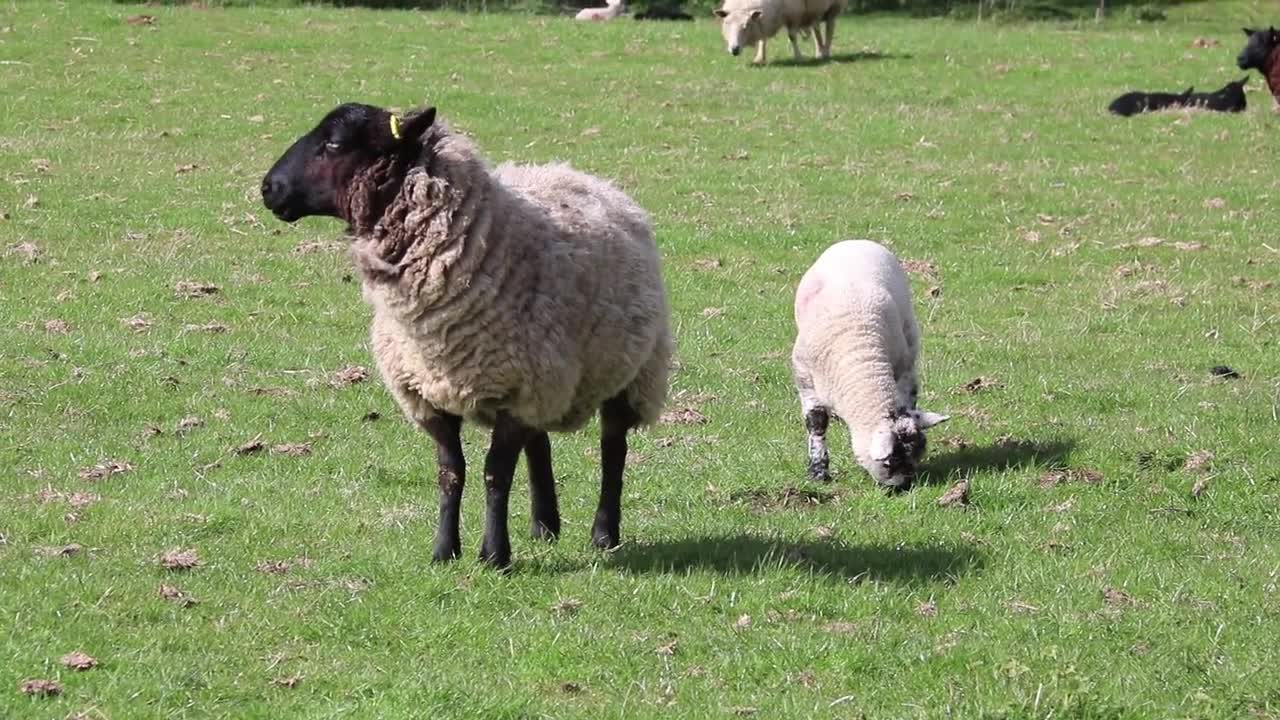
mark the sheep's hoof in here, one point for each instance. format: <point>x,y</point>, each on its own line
<point>605,539</point>
<point>548,530</point>
<point>818,473</point>
<point>446,551</point>
<point>894,489</point>
<point>499,558</point>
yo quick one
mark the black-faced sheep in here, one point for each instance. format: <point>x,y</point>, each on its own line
<point>855,355</point>
<point>1262,53</point>
<point>526,298</point>
<point>1132,103</point>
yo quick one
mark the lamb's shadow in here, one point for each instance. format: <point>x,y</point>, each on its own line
<point>746,553</point>
<point>945,465</point>
<point>838,58</point>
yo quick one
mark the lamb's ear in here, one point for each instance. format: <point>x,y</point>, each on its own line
<point>881,445</point>
<point>412,127</point>
<point>721,13</point>
<point>926,419</point>
<point>1247,31</point>
<point>755,14</point>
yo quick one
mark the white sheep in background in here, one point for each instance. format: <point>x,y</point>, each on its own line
<point>743,22</point>
<point>526,298</point>
<point>611,10</point>
<point>855,355</point>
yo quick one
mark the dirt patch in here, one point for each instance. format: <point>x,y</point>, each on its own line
<point>292,449</point>
<point>79,661</point>
<point>683,416</point>
<point>789,497</point>
<point>191,289</point>
<point>1053,478</point>
<point>40,687</point>
<point>174,595</point>
<point>980,384</point>
<point>104,470</point>
<point>348,375</point>
<point>179,560</point>
<point>957,496</point>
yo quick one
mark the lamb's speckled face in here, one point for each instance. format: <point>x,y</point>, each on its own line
<point>740,28</point>
<point>897,447</point>
<point>315,172</point>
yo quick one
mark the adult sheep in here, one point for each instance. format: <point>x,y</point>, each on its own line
<point>525,298</point>
<point>855,355</point>
<point>743,22</point>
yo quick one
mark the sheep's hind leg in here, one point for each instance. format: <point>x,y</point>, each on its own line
<point>817,41</point>
<point>759,58</point>
<point>451,473</point>
<point>617,417</point>
<point>827,36</point>
<point>542,488</point>
<point>508,438</point>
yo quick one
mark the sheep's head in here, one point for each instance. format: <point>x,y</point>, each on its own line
<point>740,28</point>
<point>315,174</point>
<point>1257,49</point>
<point>897,447</point>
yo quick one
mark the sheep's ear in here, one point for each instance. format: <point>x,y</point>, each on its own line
<point>1247,31</point>
<point>721,13</point>
<point>926,419</point>
<point>412,127</point>
<point>881,445</point>
<point>755,14</point>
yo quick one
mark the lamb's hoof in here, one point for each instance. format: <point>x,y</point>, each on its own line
<point>819,473</point>
<point>446,551</point>
<point>606,539</point>
<point>548,530</point>
<point>499,557</point>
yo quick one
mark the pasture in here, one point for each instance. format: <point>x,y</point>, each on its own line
<point>181,373</point>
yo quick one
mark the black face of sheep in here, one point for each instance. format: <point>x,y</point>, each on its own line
<point>1257,49</point>
<point>314,174</point>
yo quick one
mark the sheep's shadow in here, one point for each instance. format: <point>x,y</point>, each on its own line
<point>746,553</point>
<point>838,58</point>
<point>943,466</point>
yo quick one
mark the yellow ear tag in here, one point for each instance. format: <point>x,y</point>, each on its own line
<point>395,127</point>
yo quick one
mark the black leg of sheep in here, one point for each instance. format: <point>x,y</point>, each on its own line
<point>542,488</point>
<point>506,442</point>
<point>616,419</point>
<point>451,471</point>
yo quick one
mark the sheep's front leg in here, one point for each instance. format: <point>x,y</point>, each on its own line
<point>451,473</point>
<point>542,487</point>
<point>830,33</point>
<point>617,417</point>
<point>759,58</point>
<point>795,46</point>
<point>817,41</point>
<point>816,420</point>
<point>508,438</point>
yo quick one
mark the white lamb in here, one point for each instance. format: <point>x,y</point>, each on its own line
<point>855,355</point>
<point>743,22</point>
<point>611,10</point>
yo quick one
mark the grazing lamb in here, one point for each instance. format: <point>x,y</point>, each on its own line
<point>611,10</point>
<point>1262,53</point>
<point>524,297</point>
<point>1228,99</point>
<point>855,355</point>
<point>1132,103</point>
<point>743,22</point>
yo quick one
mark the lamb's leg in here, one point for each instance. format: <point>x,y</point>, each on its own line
<point>451,472</point>
<point>816,419</point>
<point>830,33</point>
<point>508,438</point>
<point>542,487</point>
<point>795,47</point>
<point>617,417</point>
<point>759,58</point>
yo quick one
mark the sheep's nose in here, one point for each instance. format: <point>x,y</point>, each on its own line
<point>735,50</point>
<point>273,190</point>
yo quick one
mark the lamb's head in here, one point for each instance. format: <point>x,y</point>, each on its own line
<point>897,446</point>
<point>315,174</point>
<point>740,27</point>
<point>1257,49</point>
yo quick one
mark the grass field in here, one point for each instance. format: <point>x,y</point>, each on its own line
<point>1086,579</point>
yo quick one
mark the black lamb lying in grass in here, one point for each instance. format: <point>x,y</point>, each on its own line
<point>1229,99</point>
<point>1132,103</point>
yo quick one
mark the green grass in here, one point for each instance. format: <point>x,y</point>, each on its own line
<point>981,148</point>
